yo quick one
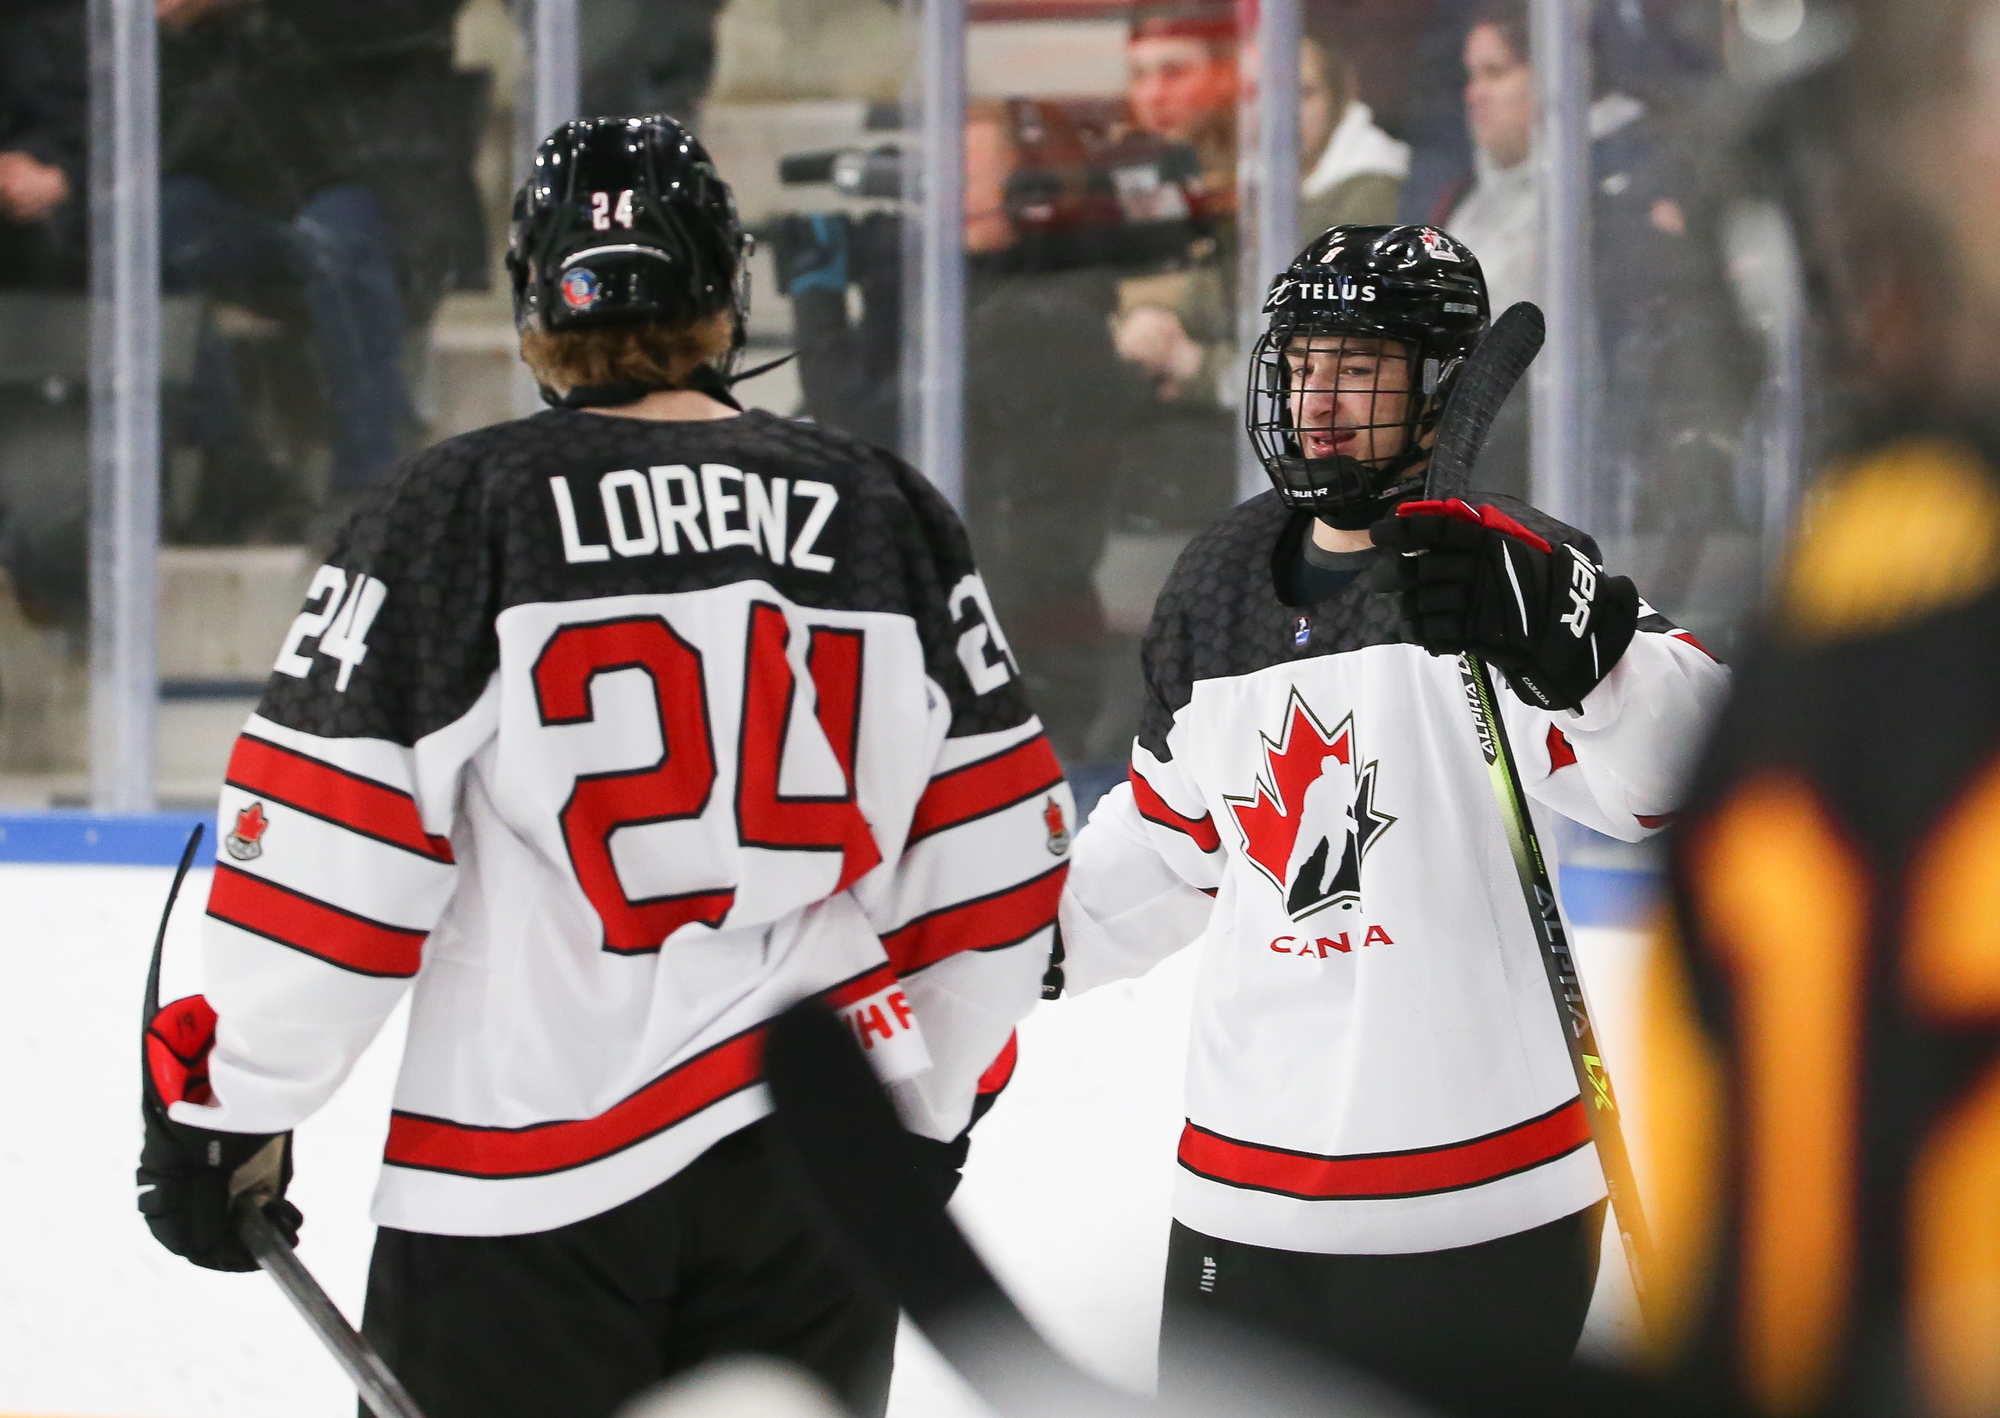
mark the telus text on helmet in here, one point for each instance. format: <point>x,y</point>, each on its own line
<point>1332,290</point>
<point>671,507</point>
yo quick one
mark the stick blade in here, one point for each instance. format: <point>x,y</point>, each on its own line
<point>1492,370</point>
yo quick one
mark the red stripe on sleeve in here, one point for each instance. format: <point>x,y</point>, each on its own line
<point>1008,777</point>
<point>348,799</point>
<point>986,923</point>
<point>1561,755</point>
<point>1386,1174</point>
<point>305,924</point>
<point>1154,808</point>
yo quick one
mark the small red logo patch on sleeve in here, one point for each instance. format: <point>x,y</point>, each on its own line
<point>246,841</point>
<point>1561,755</point>
<point>1059,833</point>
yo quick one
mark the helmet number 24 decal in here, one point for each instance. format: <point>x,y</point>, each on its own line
<point>604,210</point>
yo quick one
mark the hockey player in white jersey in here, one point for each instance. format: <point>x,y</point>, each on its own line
<point>1385,1158</point>
<point>604,736</point>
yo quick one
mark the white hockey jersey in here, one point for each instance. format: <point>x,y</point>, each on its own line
<point>1376,1065</point>
<point>608,740</point>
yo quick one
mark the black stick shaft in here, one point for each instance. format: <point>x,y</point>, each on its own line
<point>1607,1129</point>
<point>160,938</point>
<point>379,1388</point>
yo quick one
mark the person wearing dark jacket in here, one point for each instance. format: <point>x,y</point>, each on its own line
<point>316,167</point>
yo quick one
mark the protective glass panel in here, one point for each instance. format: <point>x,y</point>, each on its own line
<point>333,183</point>
<point>1694,416</point>
<point>1103,373</point>
<point>806,121</point>
<point>44,405</point>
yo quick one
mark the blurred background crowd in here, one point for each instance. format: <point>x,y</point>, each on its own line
<point>334,181</point>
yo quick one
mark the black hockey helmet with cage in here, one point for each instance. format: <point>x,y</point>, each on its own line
<point>1411,284</point>
<point>625,220</point>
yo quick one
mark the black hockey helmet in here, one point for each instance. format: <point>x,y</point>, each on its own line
<point>622,220</point>
<point>1411,284</point>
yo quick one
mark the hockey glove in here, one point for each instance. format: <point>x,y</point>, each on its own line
<point>189,1177</point>
<point>1547,617</point>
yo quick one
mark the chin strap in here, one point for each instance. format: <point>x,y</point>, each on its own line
<point>705,379</point>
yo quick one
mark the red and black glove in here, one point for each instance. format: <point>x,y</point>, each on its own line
<point>190,1176</point>
<point>1547,617</point>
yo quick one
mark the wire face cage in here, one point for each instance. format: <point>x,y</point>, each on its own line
<point>1337,417</point>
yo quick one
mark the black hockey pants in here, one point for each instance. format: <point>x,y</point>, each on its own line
<point>1477,1330</point>
<point>570,1323</point>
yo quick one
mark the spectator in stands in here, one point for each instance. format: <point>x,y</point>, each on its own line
<point>44,136</point>
<point>317,169</point>
<point>1047,408</point>
<point>1353,173</point>
<point>1496,208</point>
<point>1353,170</point>
<point>44,245</point>
<point>646,56</point>
<point>1181,59</point>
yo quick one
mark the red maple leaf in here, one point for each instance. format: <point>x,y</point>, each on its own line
<point>1269,820</point>
<point>251,822</point>
<point>1052,818</point>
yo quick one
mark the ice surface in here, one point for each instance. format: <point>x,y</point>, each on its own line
<point>1066,1192</point>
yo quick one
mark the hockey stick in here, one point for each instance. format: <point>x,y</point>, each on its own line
<point>837,1127</point>
<point>842,1133</point>
<point>160,940</point>
<point>379,1389</point>
<point>1490,374</point>
<point>371,1377</point>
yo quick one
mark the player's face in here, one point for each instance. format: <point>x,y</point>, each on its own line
<point>1350,395</point>
<point>1499,96</point>
<point>1179,86</point>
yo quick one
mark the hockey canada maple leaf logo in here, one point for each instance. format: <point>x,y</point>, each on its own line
<point>1059,833</point>
<point>1311,774</point>
<point>246,842</point>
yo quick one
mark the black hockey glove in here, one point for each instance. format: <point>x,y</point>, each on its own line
<point>1547,617</point>
<point>189,1176</point>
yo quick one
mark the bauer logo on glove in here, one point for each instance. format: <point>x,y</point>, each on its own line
<point>1545,616</point>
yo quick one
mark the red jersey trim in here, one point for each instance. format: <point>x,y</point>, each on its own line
<point>867,983</point>
<point>312,927</point>
<point>1000,1072</point>
<point>1379,1175</point>
<point>989,922</point>
<point>1013,775</point>
<point>1154,808</point>
<point>1678,634</point>
<point>427,1144</point>
<point>1561,755</point>
<point>332,794</point>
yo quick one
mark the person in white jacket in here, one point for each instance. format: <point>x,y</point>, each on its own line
<point>1385,1158</point>
<point>1353,170</point>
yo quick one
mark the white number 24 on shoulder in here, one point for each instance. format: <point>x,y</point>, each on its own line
<point>338,615</point>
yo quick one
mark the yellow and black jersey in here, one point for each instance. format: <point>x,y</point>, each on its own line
<point>1823,1084</point>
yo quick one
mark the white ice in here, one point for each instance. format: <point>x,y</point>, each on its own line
<point>1066,1192</point>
